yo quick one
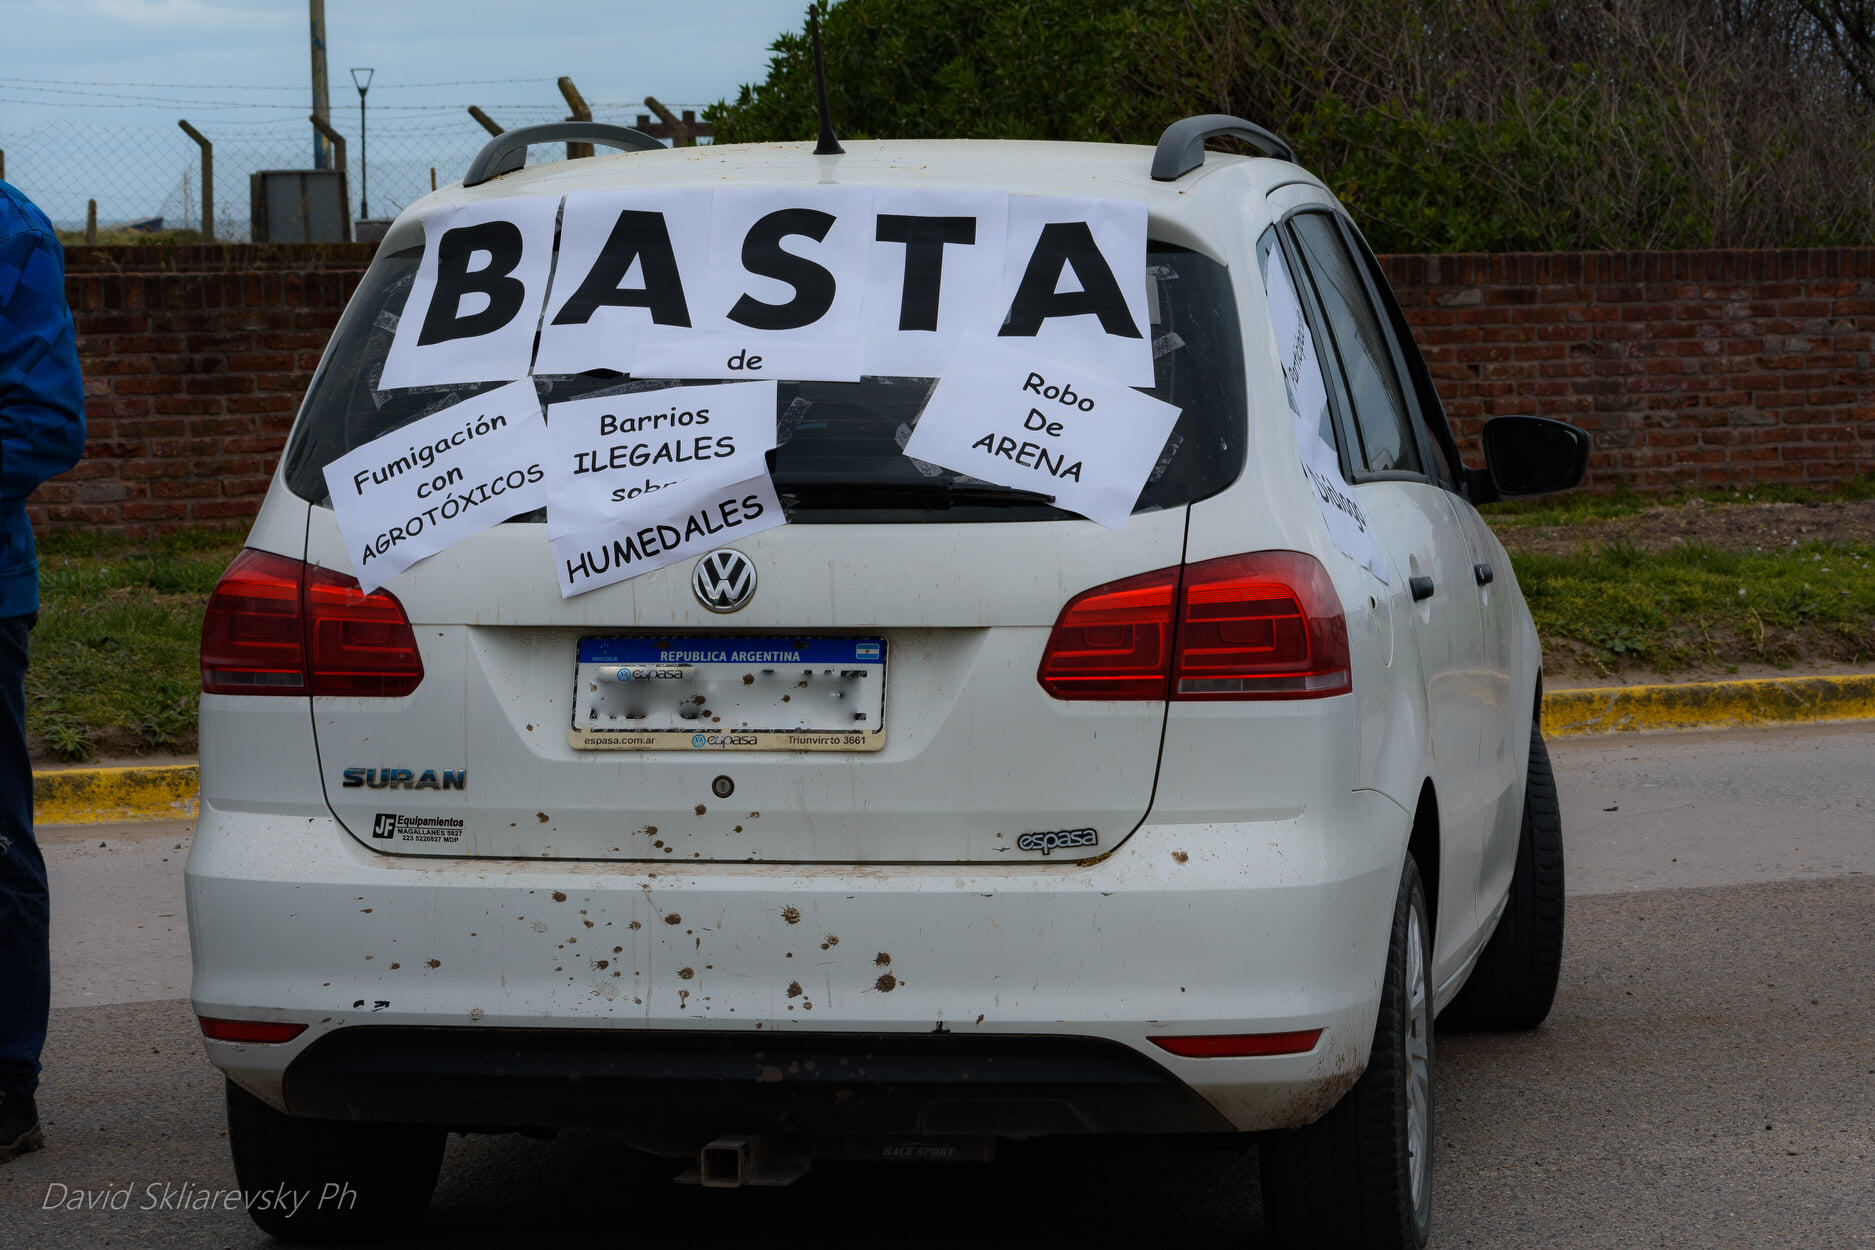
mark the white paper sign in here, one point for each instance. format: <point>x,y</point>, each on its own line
<point>476,298</point>
<point>663,353</point>
<point>1347,521</point>
<point>934,273</point>
<point>1009,415</point>
<point>629,261</point>
<point>1074,283</point>
<point>677,528</point>
<point>799,282</point>
<point>608,458</point>
<point>786,263</point>
<point>430,484</point>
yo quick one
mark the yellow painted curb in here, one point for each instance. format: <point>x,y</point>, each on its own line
<point>1709,704</point>
<point>89,796</point>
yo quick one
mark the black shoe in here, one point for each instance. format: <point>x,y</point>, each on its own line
<point>20,1132</point>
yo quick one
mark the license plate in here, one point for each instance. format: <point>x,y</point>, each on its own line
<point>710,693</point>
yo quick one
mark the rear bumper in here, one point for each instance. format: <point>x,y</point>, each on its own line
<point>535,993</point>
<point>679,1089</point>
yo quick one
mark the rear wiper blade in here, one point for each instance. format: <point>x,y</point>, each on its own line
<point>924,494</point>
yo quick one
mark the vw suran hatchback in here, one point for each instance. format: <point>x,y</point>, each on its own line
<point>1186,827</point>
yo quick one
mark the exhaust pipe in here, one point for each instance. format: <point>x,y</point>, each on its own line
<point>735,1161</point>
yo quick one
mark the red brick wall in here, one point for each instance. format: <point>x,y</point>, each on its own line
<point>1688,367</point>
<point>1731,367</point>
<point>195,359</point>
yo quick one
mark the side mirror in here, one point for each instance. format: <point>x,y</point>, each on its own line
<point>1528,456</point>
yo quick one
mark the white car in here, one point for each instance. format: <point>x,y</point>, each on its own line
<point>1189,826</point>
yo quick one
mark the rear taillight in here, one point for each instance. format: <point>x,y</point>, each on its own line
<point>265,1031</point>
<point>278,626</point>
<point>357,643</point>
<point>1114,641</point>
<point>1262,626</point>
<point>253,638</point>
<point>1240,1045</point>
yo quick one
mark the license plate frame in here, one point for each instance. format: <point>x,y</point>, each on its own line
<point>725,682</point>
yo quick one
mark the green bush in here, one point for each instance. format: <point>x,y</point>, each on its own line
<point>1444,125</point>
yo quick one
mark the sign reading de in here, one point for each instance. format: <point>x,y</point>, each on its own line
<point>430,484</point>
<point>799,282</point>
<point>1031,422</point>
<point>608,455</point>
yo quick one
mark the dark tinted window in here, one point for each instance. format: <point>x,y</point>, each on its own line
<point>838,456</point>
<point>1380,416</point>
<point>1423,399</point>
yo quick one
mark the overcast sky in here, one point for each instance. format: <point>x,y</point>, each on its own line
<point>112,76</point>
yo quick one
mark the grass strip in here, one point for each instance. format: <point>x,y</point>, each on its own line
<point>115,654</point>
<point>1614,606</point>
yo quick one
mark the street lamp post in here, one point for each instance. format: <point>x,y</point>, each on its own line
<point>364,152</point>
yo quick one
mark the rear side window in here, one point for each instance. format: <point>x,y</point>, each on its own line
<point>838,454</point>
<point>1388,444</point>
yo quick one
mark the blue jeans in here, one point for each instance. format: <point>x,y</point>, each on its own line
<point>25,904</point>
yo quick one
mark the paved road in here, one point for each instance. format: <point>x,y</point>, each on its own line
<point>1708,1077</point>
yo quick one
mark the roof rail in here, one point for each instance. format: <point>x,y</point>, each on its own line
<point>1181,147</point>
<point>507,151</point>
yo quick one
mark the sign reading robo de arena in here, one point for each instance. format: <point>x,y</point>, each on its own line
<point>797,282</point>
<point>1033,422</point>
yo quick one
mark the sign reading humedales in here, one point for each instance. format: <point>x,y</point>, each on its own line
<point>607,456</point>
<point>799,282</point>
<point>1031,422</point>
<point>675,525</point>
<point>438,480</point>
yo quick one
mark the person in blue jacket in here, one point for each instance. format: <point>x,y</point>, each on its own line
<point>42,434</point>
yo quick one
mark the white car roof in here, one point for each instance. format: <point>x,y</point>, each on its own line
<point>1030,167</point>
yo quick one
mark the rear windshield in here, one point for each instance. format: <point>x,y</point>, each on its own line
<point>838,454</point>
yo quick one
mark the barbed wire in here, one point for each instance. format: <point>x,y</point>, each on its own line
<point>141,171</point>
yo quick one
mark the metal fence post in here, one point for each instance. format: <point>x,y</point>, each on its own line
<point>337,141</point>
<point>91,221</point>
<point>208,180</point>
<point>487,122</point>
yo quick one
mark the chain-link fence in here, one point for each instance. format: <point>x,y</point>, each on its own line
<point>148,177</point>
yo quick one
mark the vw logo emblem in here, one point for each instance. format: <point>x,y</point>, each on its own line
<point>724,580</point>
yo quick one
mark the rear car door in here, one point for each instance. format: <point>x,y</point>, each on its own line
<point>1435,590</point>
<point>1503,745</point>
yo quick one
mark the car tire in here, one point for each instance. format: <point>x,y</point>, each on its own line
<point>386,1171</point>
<point>1361,1176</point>
<point>1513,983</point>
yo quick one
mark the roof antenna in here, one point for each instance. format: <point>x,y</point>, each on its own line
<point>828,145</point>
